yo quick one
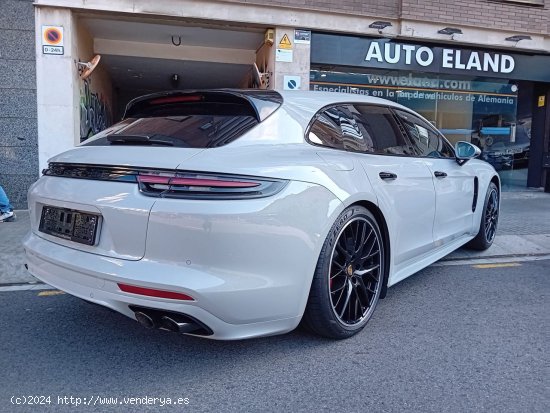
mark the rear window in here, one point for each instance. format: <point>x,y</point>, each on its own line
<point>186,131</point>
<point>190,120</point>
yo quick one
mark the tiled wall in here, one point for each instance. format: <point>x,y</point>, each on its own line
<point>483,13</point>
<point>378,8</point>
<point>18,127</point>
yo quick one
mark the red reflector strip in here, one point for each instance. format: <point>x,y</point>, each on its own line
<point>176,99</point>
<point>214,183</point>
<point>150,292</point>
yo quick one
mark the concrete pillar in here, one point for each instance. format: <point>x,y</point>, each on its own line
<point>57,91</point>
<point>297,53</point>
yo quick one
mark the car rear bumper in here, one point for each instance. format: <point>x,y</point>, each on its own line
<point>96,279</point>
<point>247,264</point>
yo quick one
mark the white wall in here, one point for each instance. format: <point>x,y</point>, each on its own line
<point>56,79</point>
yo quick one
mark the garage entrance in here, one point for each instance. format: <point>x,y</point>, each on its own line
<point>141,56</point>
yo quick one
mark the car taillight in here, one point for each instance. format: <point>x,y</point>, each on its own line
<point>168,183</point>
<point>207,186</point>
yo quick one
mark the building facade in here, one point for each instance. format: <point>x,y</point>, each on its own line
<point>477,69</point>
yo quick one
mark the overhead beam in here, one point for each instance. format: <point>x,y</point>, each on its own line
<point>271,16</point>
<point>169,51</point>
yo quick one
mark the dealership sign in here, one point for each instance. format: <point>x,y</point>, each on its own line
<point>407,54</point>
<point>335,50</point>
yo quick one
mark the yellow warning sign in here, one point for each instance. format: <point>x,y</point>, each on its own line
<point>285,43</point>
<point>542,101</point>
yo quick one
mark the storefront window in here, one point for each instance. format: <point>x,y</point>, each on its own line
<point>477,110</point>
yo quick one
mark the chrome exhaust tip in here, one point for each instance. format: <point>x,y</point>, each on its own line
<point>179,327</point>
<point>145,320</point>
<point>169,320</point>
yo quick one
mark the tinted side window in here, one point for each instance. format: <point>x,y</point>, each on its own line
<point>426,141</point>
<point>380,130</point>
<point>337,128</point>
<point>326,132</point>
<point>359,128</point>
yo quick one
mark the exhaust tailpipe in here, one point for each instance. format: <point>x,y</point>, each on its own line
<point>178,326</point>
<point>145,320</point>
<point>169,320</point>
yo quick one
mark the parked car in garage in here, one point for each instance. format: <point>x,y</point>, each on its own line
<point>232,214</point>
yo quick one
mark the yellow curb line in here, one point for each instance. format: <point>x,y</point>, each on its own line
<point>503,265</point>
<point>50,293</point>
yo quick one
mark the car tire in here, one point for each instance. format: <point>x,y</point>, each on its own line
<point>348,277</point>
<point>489,220</point>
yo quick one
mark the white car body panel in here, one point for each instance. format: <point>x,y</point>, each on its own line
<point>454,193</point>
<point>124,213</point>
<point>248,263</point>
<point>409,200</point>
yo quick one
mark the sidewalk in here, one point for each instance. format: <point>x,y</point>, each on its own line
<point>524,230</point>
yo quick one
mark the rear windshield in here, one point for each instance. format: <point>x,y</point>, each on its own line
<point>189,119</point>
<point>188,131</point>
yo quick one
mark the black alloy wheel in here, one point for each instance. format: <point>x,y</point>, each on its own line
<point>491,216</point>
<point>489,220</point>
<point>349,276</point>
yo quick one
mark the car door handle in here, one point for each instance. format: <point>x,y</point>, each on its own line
<point>387,175</point>
<point>439,174</point>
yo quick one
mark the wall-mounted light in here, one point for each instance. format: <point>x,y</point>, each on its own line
<point>379,25</point>
<point>518,38</point>
<point>450,31</point>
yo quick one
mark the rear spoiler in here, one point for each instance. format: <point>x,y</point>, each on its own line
<point>263,102</point>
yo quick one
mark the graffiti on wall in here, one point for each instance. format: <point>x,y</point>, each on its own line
<point>94,112</point>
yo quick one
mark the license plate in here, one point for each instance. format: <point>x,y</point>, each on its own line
<point>69,224</point>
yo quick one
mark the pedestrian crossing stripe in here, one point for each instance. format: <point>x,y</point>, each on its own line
<point>285,43</point>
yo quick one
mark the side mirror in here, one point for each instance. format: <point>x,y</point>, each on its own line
<point>464,151</point>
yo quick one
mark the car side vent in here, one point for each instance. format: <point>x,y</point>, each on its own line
<point>476,190</point>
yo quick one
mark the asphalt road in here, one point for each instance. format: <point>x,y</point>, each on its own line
<point>452,338</point>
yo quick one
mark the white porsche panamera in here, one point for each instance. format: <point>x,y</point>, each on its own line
<point>233,214</point>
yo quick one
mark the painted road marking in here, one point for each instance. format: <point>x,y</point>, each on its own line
<point>490,260</point>
<point>50,293</point>
<point>25,287</point>
<point>498,265</point>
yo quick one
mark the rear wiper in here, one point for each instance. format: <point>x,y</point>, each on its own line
<point>137,139</point>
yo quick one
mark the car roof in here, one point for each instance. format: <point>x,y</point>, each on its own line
<point>312,100</point>
<point>317,100</point>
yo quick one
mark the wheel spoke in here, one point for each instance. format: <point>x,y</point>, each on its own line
<point>362,293</point>
<point>342,250</point>
<point>360,273</point>
<point>341,272</point>
<point>366,242</point>
<point>356,301</point>
<point>341,294</point>
<point>361,240</point>
<point>348,295</point>
<point>338,289</point>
